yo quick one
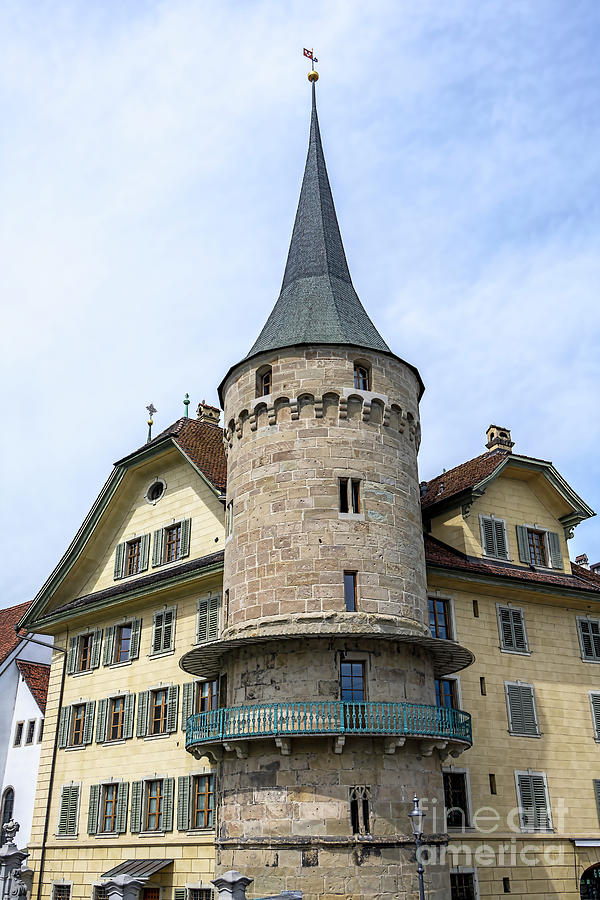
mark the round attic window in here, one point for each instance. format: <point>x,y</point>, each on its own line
<point>155,491</point>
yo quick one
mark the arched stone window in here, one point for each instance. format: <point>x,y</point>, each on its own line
<point>8,805</point>
<point>362,375</point>
<point>264,381</point>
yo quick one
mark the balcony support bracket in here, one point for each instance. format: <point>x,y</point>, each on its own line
<point>428,746</point>
<point>284,744</point>
<point>391,743</point>
<point>338,743</point>
<point>239,747</point>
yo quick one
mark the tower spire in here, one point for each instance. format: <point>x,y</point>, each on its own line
<point>317,303</point>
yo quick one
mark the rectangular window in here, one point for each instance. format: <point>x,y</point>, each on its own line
<point>202,801</point>
<point>492,778</point>
<point>350,591</point>
<point>360,818</point>
<point>123,643</point>
<point>353,682</point>
<point>68,815</point>
<point>522,715</point>
<point>85,653</point>
<point>506,884</point>
<point>344,508</point>
<point>589,639</point>
<point>476,609</point>
<point>493,537</point>
<point>163,631</point>
<point>595,705</point>
<point>362,381</point>
<point>482,686</point>
<point>456,800</point>
<point>158,711</point>
<point>115,720</point>
<point>132,566</point>
<point>41,731</point>
<point>61,892</point>
<point>77,724</point>
<point>349,491</point>
<point>154,805</point>
<point>355,494</point>
<point>462,886</point>
<point>199,894</point>
<point>172,542</point>
<point>108,811</point>
<point>18,734</point>
<point>511,627</point>
<point>229,519</point>
<point>534,802</point>
<point>207,620</point>
<point>446,693</point>
<point>596,783</point>
<point>100,892</point>
<point>207,696</point>
<point>30,731</point>
<point>439,618</point>
<point>537,547</point>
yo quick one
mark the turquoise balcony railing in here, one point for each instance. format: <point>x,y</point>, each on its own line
<point>328,717</point>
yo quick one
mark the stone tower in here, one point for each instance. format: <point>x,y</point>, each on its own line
<point>327,726</point>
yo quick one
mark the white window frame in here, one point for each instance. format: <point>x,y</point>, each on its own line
<point>591,695</point>
<point>438,595</point>
<point>61,882</point>
<point>509,605</point>
<point>546,532</point>
<point>584,658</point>
<point>548,807</point>
<point>467,870</point>
<point>453,770</point>
<point>484,555</point>
<point>521,684</point>
<point>148,780</point>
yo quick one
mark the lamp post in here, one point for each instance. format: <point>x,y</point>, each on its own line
<point>416,817</point>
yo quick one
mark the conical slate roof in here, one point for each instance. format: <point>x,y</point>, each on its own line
<point>317,303</point>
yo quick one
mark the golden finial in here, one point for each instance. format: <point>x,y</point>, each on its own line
<point>313,75</point>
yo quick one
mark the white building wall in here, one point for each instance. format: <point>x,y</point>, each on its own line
<point>22,762</point>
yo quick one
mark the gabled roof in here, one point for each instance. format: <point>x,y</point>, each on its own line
<point>201,442</point>
<point>466,482</point>
<point>37,676</point>
<point>442,556</point>
<point>8,619</point>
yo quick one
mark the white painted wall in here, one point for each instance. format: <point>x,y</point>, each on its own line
<point>22,762</point>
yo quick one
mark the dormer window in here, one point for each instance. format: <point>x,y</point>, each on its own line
<point>362,376</point>
<point>264,381</point>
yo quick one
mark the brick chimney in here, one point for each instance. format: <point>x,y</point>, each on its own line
<point>498,438</point>
<point>582,560</point>
<point>208,413</point>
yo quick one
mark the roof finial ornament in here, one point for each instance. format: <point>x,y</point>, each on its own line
<point>151,410</point>
<point>313,75</point>
<point>186,403</point>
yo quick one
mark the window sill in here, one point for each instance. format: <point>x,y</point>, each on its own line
<point>460,829</point>
<point>586,660</point>
<point>358,517</point>
<point>145,834</point>
<point>114,743</point>
<point>158,737</point>
<point>101,835</point>
<point>80,674</point>
<point>488,558</point>
<point>519,734</point>
<point>76,747</point>
<point>192,831</point>
<point>161,653</point>
<point>119,665</point>
<point>515,652</point>
<point>67,837</point>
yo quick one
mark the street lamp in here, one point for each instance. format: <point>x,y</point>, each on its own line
<point>416,817</point>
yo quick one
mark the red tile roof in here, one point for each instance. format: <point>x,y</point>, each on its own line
<point>439,554</point>
<point>36,676</point>
<point>462,477</point>
<point>8,620</point>
<point>202,442</point>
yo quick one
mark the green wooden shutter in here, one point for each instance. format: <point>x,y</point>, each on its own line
<point>144,552</point>
<point>137,796</point>
<point>168,635</point>
<point>73,809</point>
<point>109,645</point>
<point>102,721</point>
<point>121,812</point>
<point>96,644</point>
<point>597,795</point>
<point>202,621</point>
<point>213,617</point>
<point>187,702</point>
<point>157,632</point>
<point>523,544</point>
<point>500,536</point>
<point>518,626</point>
<point>180,894</point>
<point>120,560</point>
<point>183,802</point>
<point>543,821</point>
<point>589,637</point>
<point>88,722</point>
<point>166,820</point>
<point>72,656</point>
<point>184,543</point>
<point>555,552</point>
<point>142,715</point>
<point>526,803</point>
<point>93,808</point>
<point>522,717</point>
<point>488,536</point>
<point>172,702</point>
<point>63,726</point>
<point>512,629</point>
<point>157,547</point>
<point>63,812</point>
<point>506,632</point>
<point>595,701</point>
<point>128,708</point>
<point>134,644</point>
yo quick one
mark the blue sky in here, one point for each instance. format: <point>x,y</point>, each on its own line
<point>150,163</point>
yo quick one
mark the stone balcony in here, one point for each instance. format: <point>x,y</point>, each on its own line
<point>232,728</point>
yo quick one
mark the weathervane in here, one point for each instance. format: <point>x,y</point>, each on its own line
<point>313,75</point>
<point>151,410</point>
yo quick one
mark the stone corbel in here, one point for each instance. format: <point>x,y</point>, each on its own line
<point>294,410</point>
<point>454,751</point>
<point>366,410</point>
<point>428,746</point>
<point>253,419</point>
<point>386,415</point>
<point>318,408</point>
<point>271,414</point>
<point>284,744</point>
<point>238,428</point>
<point>466,509</point>
<point>391,743</point>
<point>338,743</point>
<point>214,753</point>
<point>569,532</point>
<point>239,747</point>
<point>343,408</point>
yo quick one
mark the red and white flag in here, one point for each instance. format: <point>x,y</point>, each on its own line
<point>308,53</point>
